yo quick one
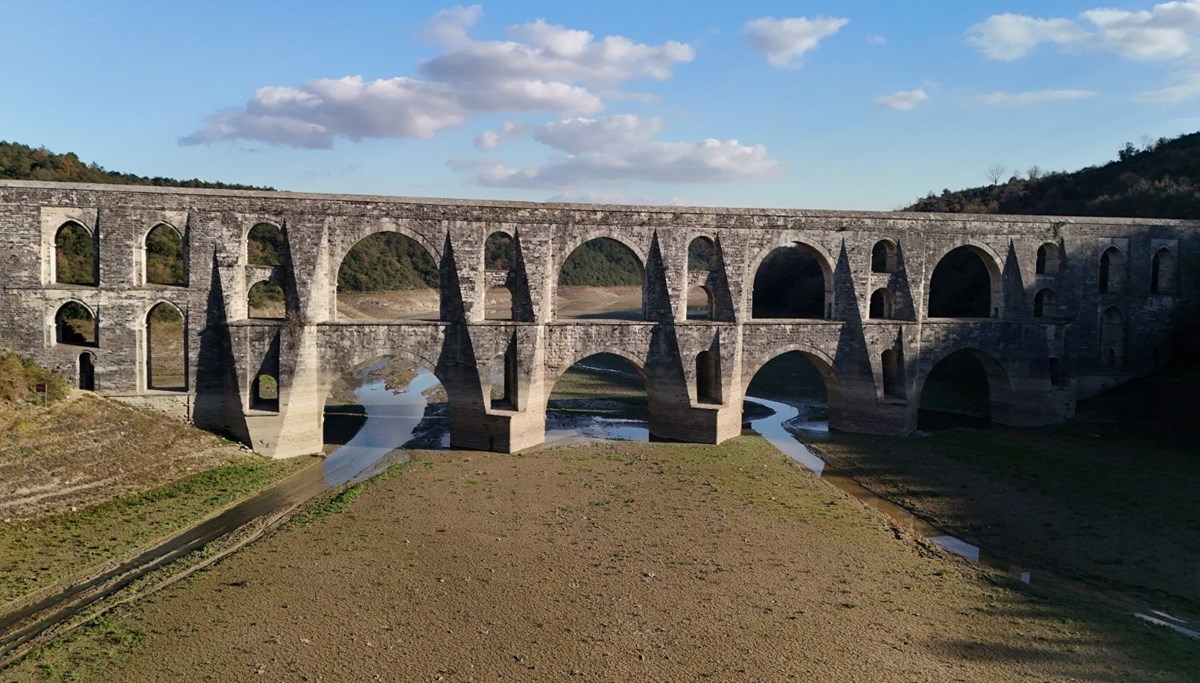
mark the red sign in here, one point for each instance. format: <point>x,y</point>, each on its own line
<point>41,388</point>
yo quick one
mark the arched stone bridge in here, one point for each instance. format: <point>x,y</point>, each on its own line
<point>1076,304</point>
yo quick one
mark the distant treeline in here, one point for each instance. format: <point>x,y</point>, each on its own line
<point>1159,179</point>
<point>22,162</point>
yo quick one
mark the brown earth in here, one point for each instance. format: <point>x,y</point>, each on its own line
<point>616,562</point>
<point>87,450</point>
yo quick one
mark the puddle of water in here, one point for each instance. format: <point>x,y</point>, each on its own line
<point>558,433</point>
<point>391,419</point>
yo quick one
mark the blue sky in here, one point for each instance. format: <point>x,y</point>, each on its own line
<point>851,105</point>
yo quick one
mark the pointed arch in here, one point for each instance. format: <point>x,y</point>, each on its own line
<point>165,347</point>
<point>1163,278</point>
<point>75,255</point>
<point>1112,271</point>
<point>75,324</point>
<point>163,256</point>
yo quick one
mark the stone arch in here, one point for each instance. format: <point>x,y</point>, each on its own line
<point>883,304</point>
<point>76,255</point>
<point>86,371</point>
<point>700,303</point>
<point>264,233</point>
<point>634,359</point>
<point>708,377</point>
<point>1045,303</point>
<point>701,255</point>
<point>1049,259</point>
<point>1112,271</point>
<point>569,248</point>
<point>1163,276</point>
<point>165,348</point>
<point>424,267</point>
<point>1112,338</point>
<point>959,288</point>
<point>499,252</point>
<point>498,303</point>
<point>265,299</point>
<point>810,309</point>
<point>264,392</point>
<point>619,311</point>
<point>75,324</point>
<point>819,359</point>
<point>163,254</point>
<point>996,401</point>
<point>884,258</point>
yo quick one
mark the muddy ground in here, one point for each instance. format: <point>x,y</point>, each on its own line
<point>617,562</point>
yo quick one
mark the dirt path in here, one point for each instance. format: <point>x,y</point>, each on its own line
<point>617,562</point>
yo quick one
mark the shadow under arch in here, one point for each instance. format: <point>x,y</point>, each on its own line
<point>963,387</point>
<point>796,249</point>
<point>958,289</point>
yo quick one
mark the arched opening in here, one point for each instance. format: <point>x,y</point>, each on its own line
<point>166,356</point>
<point>799,380</point>
<point>265,300</point>
<point>1047,259</point>
<point>601,279</point>
<point>601,396</point>
<point>961,286</point>
<point>383,404</point>
<point>791,282</point>
<point>75,256</point>
<point>1112,271</point>
<point>388,276</point>
<point>1162,272</point>
<point>498,303</point>
<point>87,371</point>
<point>502,375</point>
<point>699,304</point>
<point>1055,370</point>
<point>264,395</point>
<point>883,304</point>
<point>265,245</point>
<point>75,324</point>
<point>1045,305</point>
<point>1112,339</point>
<point>893,374</point>
<point>959,390</point>
<point>164,257</point>
<point>883,257</point>
<point>708,377</point>
<point>701,255</point>
<point>499,252</point>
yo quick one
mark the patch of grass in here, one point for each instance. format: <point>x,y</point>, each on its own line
<point>340,499</point>
<point>40,553</point>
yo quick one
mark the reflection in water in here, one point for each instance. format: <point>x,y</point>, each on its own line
<point>391,419</point>
<point>560,432</point>
<point>771,428</point>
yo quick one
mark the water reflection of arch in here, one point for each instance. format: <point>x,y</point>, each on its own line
<point>823,362</point>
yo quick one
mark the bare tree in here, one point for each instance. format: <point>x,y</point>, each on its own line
<point>995,172</point>
<point>1034,172</point>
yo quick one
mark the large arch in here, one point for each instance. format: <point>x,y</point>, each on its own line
<point>792,281</point>
<point>76,257</point>
<point>820,361</point>
<point>164,260</point>
<point>965,284</point>
<point>166,348</point>
<point>963,387</point>
<point>600,400</point>
<point>597,280</point>
<point>388,275</point>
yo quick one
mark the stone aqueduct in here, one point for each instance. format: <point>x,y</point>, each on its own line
<point>1114,286</point>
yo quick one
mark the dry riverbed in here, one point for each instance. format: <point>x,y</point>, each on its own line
<point>616,562</point>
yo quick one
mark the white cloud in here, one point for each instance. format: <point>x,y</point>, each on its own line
<point>707,161</point>
<point>903,100</point>
<point>1177,93</point>
<point>578,135</point>
<point>488,140</point>
<point>545,68</point>
<point>877,40</point>
<point>1033,97</point>
<point>1166,31</point>
<point>785,41</point>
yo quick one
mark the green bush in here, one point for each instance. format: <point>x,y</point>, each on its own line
<point>20,376</point>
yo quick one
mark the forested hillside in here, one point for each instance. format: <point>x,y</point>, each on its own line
<point>1157,180</point>
<point>22,162</point>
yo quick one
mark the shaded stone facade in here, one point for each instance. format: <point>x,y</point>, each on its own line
<point>1061,326</point>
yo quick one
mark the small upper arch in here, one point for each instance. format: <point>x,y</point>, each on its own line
<point>164,261</point>
<point>701,254</point>
<point>1112,271</point>
<point>1163,273</point>
<point>885,257</point>
<point>499,251</point>
<point>1049,259</point>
